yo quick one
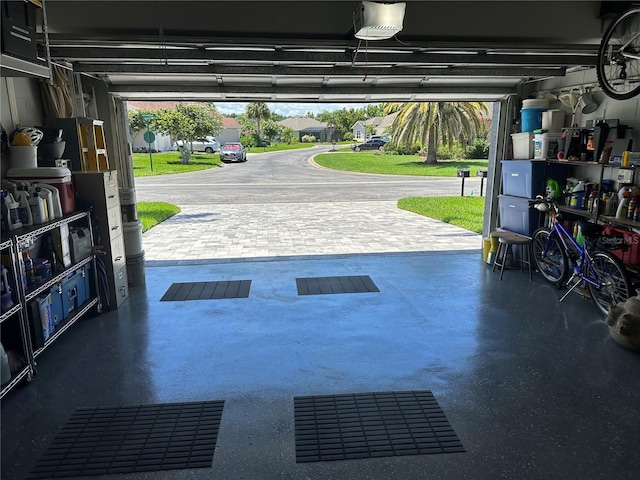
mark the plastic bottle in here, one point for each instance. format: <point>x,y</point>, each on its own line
<point>621,212</point>
<point>24,209</point>
<point>38,209</point>
<point>635,200</point>
<point>48,199</point>
<point>54,205</point>
<point>29,269</point>
<point>10,211</point>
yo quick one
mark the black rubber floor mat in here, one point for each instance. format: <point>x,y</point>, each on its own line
<point>127,439</point>
<point>365,425</point>
<point>180,292</point>
<point>328,285</point>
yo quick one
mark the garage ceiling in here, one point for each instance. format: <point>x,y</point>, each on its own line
<point>306,51</point>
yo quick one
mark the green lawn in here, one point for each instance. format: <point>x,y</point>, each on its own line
<point>465,212</point>
<point>384,163</point>
<point>153,213</point>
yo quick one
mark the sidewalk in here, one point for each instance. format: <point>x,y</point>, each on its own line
<point>302,229</point>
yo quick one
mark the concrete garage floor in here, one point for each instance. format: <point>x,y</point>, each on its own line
<point>534,389</point>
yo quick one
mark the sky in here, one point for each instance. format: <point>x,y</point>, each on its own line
<point>288,109</point>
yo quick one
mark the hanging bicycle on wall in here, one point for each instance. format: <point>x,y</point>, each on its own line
<point>619,56</point>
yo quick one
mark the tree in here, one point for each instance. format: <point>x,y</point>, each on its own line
<point>258,111</point>
<point>188,122</point>
<point>271,129</point>
<point>288,135</point>
<point>435,122</point>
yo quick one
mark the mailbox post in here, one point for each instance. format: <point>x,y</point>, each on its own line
<point>482,173</point>
<point>463,173</point>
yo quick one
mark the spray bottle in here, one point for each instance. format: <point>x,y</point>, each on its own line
<point>24,208</point>
<point>10,211</point>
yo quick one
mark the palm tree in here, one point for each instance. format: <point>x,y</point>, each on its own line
<point>432,122</point>
<point>258,111</point>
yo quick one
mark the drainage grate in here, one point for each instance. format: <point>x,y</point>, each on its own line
<point>365,425</point>
<point>328,285</point>
<point>179,292</point>
<point>126,439</point>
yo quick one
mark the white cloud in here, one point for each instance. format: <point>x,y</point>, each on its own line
<point>288,109</point>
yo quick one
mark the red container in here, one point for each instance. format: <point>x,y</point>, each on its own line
<point>630,254</point>
<point>57,177</point>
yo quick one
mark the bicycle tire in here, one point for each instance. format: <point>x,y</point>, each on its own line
<point>619,77</point>
<point>554,266</point>
<point>615,284</point>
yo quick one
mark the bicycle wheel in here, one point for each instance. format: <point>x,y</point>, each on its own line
<point>618,66</point>
<point>615,286</point>
<point>554,264</point>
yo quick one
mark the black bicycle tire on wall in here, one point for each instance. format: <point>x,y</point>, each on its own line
<point>604,63</point>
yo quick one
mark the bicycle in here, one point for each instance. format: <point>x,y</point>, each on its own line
<point>554,249</point>
<point>618,66</point>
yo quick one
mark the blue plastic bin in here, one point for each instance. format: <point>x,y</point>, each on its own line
<point>516,215</point>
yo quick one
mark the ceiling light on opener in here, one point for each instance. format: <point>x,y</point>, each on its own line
<point>378,21</point>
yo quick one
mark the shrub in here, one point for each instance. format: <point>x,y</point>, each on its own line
<point>247,141</point>
<point>402,149</point>
<point>446,152</point>
<point>348,137</point>
<point>478,149</point>
<point>308,138</point>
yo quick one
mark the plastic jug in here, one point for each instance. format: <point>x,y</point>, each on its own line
<point>38,208</point>
<point>55,204</point>
<point>10,211</point>
<point>24,209</point>
<point>48,199</point>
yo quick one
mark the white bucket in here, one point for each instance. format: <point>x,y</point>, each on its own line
<point>535,103</point>
<point>553,121</point>
<point>135,270</point>
<point>132,237</point>
<point>24,157</point>
<point>545,145</point>
<point>128,204</point>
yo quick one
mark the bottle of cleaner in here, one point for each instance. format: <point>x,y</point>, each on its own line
<point>10,211</point>
<point>622,211</point>
<point>48,199</point>
<point>55,198</point>
<point>24,209</point>
<point>38,208</point>
<point>29,269</point>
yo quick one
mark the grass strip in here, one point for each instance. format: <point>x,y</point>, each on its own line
<point>465,212</point>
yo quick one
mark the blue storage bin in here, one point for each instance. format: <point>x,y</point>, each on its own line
<point>71,293</point>
<point>527,178</point>
<point>517,215</point>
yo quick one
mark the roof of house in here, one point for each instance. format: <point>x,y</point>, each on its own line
<point>297,124</point>
<point>230,122</point>
<point>378,122</point>
<point>135,105</point>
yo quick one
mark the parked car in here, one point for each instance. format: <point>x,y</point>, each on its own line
<point>233,152</point>
<point>264,143</point>
<point>207,145</point>
<point>371,144</point>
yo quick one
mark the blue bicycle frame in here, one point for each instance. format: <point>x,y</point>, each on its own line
<point>570,244</point>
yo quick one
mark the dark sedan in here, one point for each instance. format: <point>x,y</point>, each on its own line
<point>233,152</point>
<point>371,144</point>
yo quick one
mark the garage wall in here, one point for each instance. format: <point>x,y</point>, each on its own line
<point>20,103</point>
<point>627,111</point>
